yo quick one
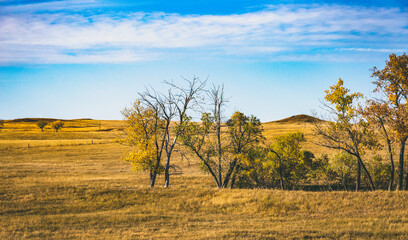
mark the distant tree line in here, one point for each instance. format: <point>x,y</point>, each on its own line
<point>235,153</point>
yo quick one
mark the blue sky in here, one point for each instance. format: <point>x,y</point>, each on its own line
<point>76,59</point>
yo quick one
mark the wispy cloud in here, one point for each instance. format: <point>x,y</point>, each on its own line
<point>288,32</point>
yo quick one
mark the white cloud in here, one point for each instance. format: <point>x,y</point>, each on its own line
<point>51,5</point>
<point>293,31</point>
<point>386,50</point>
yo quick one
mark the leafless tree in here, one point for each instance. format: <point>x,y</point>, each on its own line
<point>218,144</point>
<point>173,105</point>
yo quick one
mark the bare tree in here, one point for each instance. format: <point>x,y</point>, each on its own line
<point>173,106</point>
<point>219,150</point>
<point>205,139</point>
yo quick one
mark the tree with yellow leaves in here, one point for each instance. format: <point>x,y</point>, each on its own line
<point>144,134</point>
<point>392,84</point>
<point>347,130</point>
<point>378,114</point>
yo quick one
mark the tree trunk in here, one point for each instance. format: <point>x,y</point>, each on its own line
<point>402,155</point>
<point>167,168</point>
<point>166,179</point>
<point>219,149</point>
<point>401,165</point>
<point>367,174</point>
<point>282,183</point>
<point>167,173</point>
<point>391,181</point>
<point>358,175</point>
<point>153,179</point>
<point>218,182</point>
<point>230,171</point>
<point>344,183</point>
<point>234,176</point>
<point>390,184</point>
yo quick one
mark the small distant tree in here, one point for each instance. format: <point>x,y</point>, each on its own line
<point>1,124</point>
<point>41,124</point>
<point>347,131</point>
<point>57,125</point>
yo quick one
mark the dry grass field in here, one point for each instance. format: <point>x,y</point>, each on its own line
<point>74,185</point>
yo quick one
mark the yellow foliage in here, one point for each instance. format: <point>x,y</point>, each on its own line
<point>143,127</point>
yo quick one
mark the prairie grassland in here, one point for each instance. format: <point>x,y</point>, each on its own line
<point>85,191</point>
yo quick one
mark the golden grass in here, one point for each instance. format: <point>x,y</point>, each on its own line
<point>85,191</point>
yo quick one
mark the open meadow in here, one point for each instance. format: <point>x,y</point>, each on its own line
<point>72,184</point>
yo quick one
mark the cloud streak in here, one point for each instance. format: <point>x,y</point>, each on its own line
<point>281,32</point>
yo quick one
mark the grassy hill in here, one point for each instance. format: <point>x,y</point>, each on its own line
<point>74,185</point>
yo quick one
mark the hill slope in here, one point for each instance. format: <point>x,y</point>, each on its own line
<point>299,119</point>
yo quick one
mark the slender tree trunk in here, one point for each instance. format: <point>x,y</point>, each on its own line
<point>153,179</point>
<point>401,165</point>
<point>230,171</point>
<point>234,176</point>
<point>358,175</point>
<point>391,181</point>
<point>167,173</point>
<point>402,155</point>
<point>218,182</point>
<point>344,183</point>
<point>219,149</point>
<point>282,184</point>
<point>367,174</point>
<point>167,168</point>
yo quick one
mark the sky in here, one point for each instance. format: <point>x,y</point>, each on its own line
<point>88,59</point>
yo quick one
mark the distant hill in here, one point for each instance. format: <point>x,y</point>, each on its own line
<point>38,119</point>
<point>31,120</point>
<point>299,118</point>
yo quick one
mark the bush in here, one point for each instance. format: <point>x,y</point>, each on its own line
<point>380,172</point>
<point>344,167</point>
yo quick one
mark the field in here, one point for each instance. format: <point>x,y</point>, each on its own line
<point>74,185</point>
